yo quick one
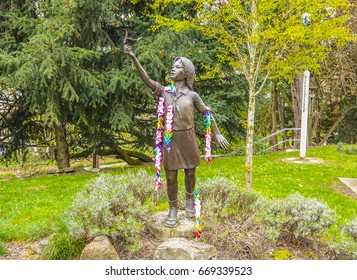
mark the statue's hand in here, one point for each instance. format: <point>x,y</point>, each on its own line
<point>222,141</point>
<point>128,50</point>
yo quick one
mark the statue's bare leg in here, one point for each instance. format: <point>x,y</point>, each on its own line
<point>190,182</point>
<point>172,190</point>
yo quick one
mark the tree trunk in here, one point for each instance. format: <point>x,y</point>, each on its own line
<point>250,138</point>
<point>274,117</point>
<point>318,111</point>
<point>139,156</point>
<point>296,91</point>
<point>316,118</point>
<point>281,114</point>
<point>123,155</point>
<point>62,156</point>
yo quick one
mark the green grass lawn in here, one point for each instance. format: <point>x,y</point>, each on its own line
<point>31,208</point>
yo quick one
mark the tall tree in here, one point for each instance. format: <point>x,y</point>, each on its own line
<point>47,68</point>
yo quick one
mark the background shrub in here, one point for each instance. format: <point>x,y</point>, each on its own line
<point>348,150</point>
<point>115,206</point>
<point>296,217</point>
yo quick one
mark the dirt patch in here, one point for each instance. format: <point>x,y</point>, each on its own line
<point>343,189</point>
<point>303,160</point>
<point>22,251</point>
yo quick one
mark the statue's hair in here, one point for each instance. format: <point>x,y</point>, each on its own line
<point>189,69</point>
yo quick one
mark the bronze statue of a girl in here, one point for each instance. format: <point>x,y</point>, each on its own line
<point>183,152</point>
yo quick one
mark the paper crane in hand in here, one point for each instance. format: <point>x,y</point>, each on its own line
<point>128,40</point>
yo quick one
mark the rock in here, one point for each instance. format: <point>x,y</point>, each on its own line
<point>183,249</point>
<point>43,243</point>
<point>99,249</point>
<point>184,228</point>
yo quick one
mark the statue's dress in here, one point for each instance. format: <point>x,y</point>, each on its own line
<point>184,152</point>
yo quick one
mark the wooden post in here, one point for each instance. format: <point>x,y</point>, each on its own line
<point>304,113</point>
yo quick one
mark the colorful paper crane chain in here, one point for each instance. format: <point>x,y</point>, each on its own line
<point>197,202</point>
<point>208,135</point>
<point>158,142</point>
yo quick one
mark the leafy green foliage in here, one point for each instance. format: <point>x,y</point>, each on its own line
<point>239,25</point>
<point>115,206</point>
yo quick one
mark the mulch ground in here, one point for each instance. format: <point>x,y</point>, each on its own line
<point>304,250</point>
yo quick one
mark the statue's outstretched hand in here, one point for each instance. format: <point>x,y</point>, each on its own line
<point>128,50</point>
<point>222,141</point>
<point>128,44</point>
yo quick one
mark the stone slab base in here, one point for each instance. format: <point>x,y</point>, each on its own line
<point>184,228</point>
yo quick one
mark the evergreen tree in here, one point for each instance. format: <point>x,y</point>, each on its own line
<point>65,59</point>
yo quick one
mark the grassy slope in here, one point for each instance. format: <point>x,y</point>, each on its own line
<point>31,208</point>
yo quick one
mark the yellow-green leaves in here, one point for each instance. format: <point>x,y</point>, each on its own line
<point>274,26</point>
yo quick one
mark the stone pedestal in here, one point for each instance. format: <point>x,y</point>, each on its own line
<point>183,249</point>
<point>184,228</point>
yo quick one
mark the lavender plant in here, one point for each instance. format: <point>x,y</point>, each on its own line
<point>115,206</point>
<point>297,217</point>
<point>346,248</point>
<point>222,198</point>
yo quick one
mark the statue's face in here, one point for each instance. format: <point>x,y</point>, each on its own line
<point>177,72</point>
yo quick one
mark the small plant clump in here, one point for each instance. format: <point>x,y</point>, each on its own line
<point>3,250</point>
<point>62,246</point>
<point>296,217</point>
<point>115,206</point>
<point>282,255</point>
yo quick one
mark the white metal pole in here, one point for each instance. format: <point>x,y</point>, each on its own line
<point>304,113</point>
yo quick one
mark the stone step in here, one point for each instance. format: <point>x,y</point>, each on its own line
<point>184,228</point>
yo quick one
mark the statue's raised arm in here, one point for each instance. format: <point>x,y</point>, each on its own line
<point>128,50</point>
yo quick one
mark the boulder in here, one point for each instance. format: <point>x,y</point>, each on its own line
<point>183,249</point>
<point>99,249</point>
<point>184,228</point>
